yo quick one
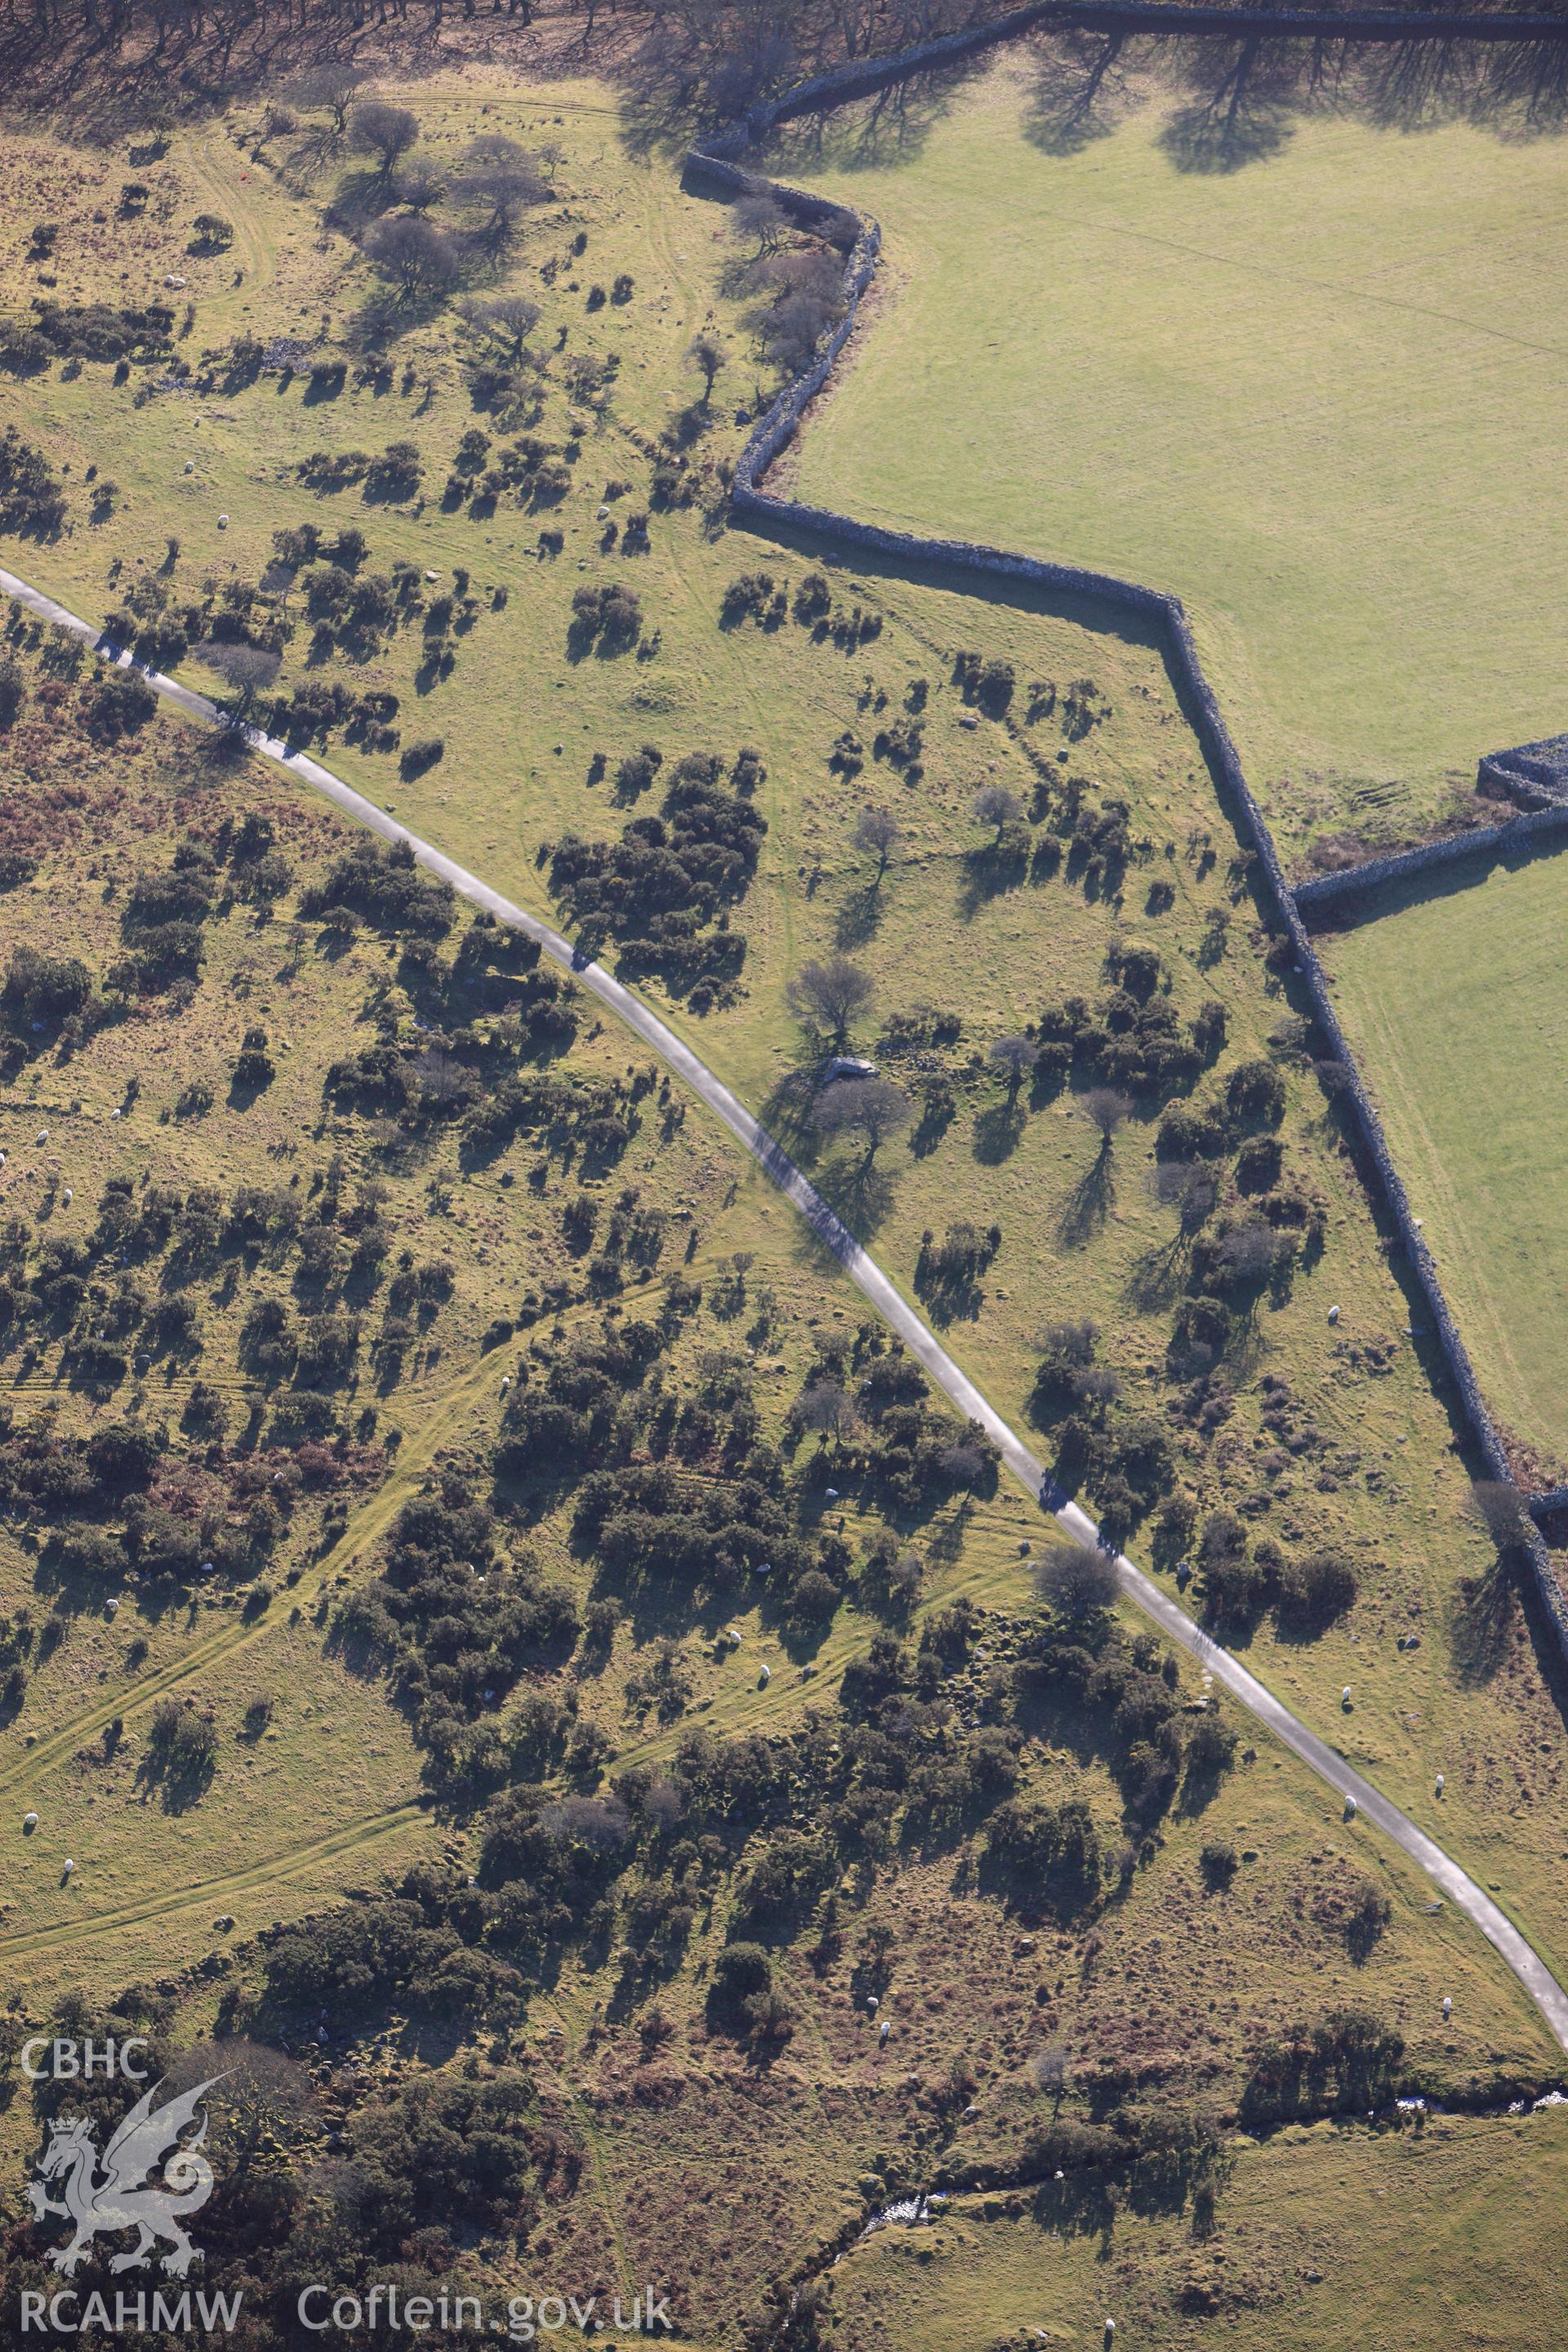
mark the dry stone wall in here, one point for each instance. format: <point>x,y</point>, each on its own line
<point>712,162</point>
<point>1326,891</point>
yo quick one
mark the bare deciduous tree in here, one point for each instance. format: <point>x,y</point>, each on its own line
<point>708,355</point>
<point>330,89</point>
<point>904,1577</point>
<point>1105,1108</point>
<point>1016,1057</point>
<point>876,831</point>
<point>830,995</point>
<point>1189,1188</point>
<point>1050,2070</point>
<point>503,180</point>
<point>264,2096</point>
<point>824,1409</point>
<point>385,131</point>
<point>1252,1249</point>
<point>507,320</point>
<point>995,804</point>
<point>415,255</point>
<point>873,1107</point>
<point>1499,1506</point>
<point>246,670</point>
<point>420,186</point>
<point>760,219</point>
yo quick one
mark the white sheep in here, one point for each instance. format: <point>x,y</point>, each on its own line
<point>29,1824</point>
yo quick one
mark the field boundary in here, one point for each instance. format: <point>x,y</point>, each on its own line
<point>1121,17</point>
<point>711,161</point>
<point>1361,1798</point>
<point>1326,892</point>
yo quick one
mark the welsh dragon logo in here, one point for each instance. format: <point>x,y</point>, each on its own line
<point>147,2139</point>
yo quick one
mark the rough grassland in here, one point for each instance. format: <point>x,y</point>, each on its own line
<point>1331,2239</point>
<point>947,927</point>
<point>1316,397</point>
<point>1454,1001</point>
<point>710,2170</point>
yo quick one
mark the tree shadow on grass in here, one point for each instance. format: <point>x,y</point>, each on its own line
<point>180,1783</point>
<point>949,1299</point>
<point>998,1132</point>
<point>1089,1204</point>
<point>1482,1623</point>
<point>860,1191</point>
<point>1229,128</point>
<point>1154,1280</point>
<point>858,919</point>
<point>1077,92</point>
<point>785,1110</point>
<point>990,873</point>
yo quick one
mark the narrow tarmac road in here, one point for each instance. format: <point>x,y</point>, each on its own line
<point>1459,1887</point>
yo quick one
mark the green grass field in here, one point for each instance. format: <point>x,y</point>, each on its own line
<point>700,2156</point>
<point>1332,2240</point>
<point>1452,1003</point>
<point>1317,397</point>
<point>944,929</point>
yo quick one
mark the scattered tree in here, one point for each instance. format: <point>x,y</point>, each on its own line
<point>419,258</point>
<point>995,804</point>
<point>1189,1188</point>
<point>246,670</point>
<point>1051,2070</point>
<point>502,180</point>
<point>708,355</point>
<point>761,219</point>
<point>420,186</point>
<point>1499,1506</point>
<point>1016,1056</point>
<point>830,995</point>
<point>878,832</point>
<point>507,320</point>
<point>1077,1582</point>
<point>386,132</point>
<point>328,88</point>
<point>873,1107</point>
<point>1105,1108</point>
<point>824,1408</point>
